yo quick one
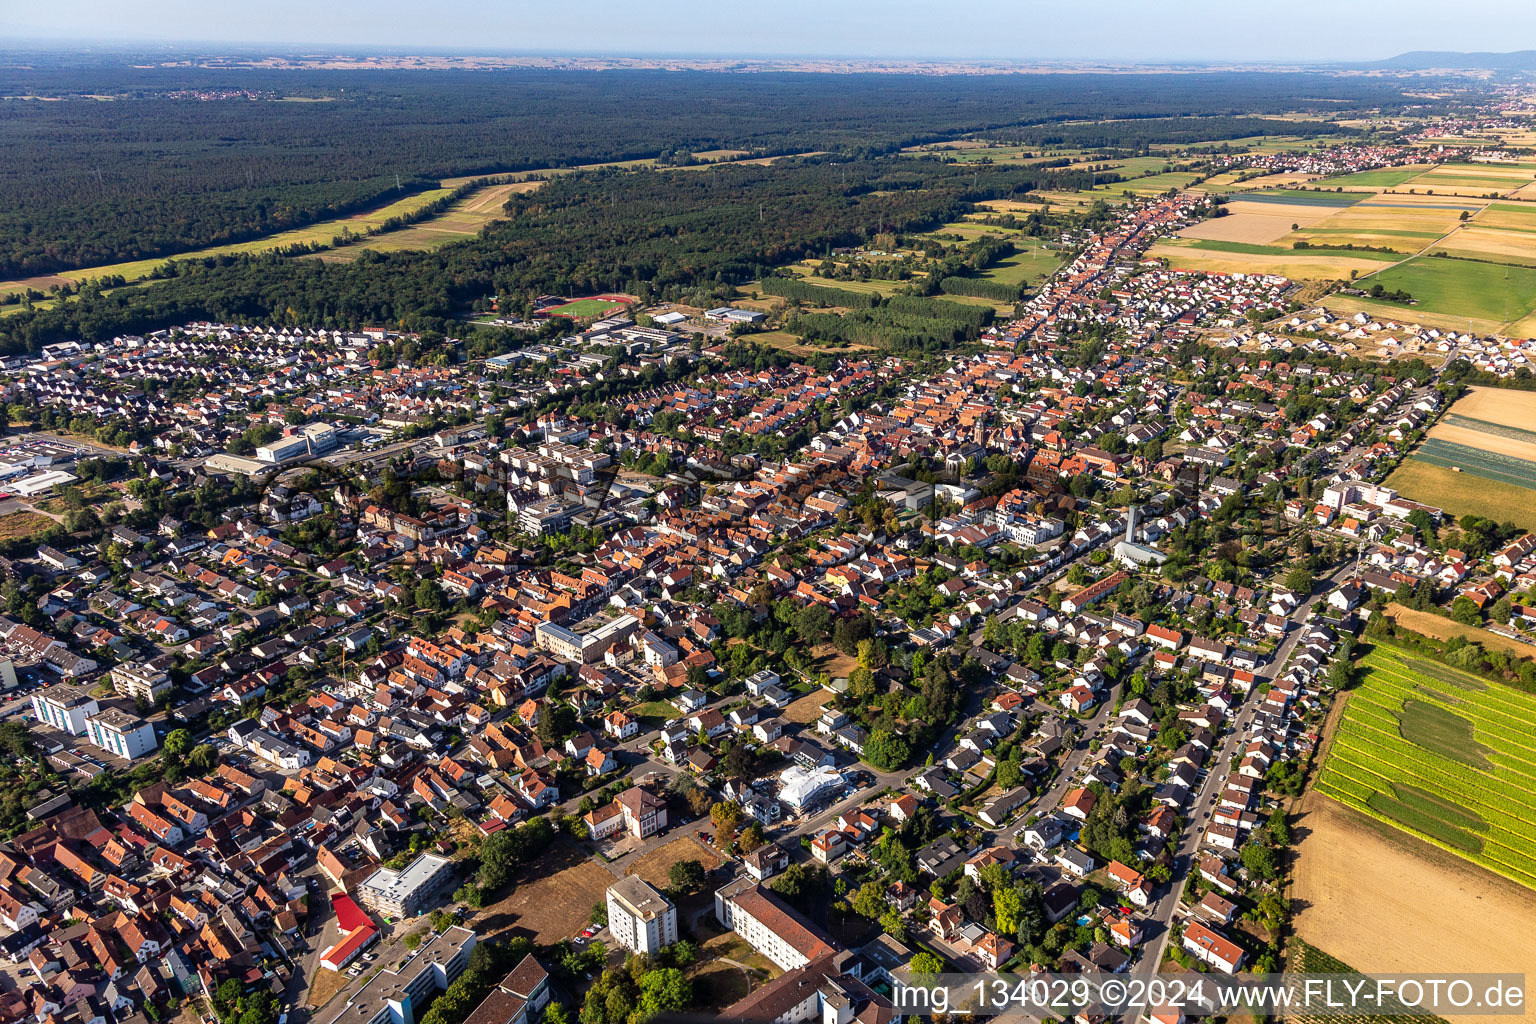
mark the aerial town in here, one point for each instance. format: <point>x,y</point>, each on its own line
<point>618,655</point>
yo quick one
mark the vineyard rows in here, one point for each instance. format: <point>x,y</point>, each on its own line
<point>1483,811</point>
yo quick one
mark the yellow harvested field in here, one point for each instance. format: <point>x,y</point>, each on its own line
<point>1498,405</point>
<point>1442,628</point>
<point>1258,223</point>
<point>1485,442</point>
<point>1501,246</point>
<point>1298,266</point>
<point>1382,901</point>
<point>1464,494</point>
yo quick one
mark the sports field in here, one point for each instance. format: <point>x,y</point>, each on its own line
<point>1443,755</point>
<point>590,307</point>
<point>1030,264</point>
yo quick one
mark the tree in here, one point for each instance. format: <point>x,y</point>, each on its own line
<point>177,744</point>
<point>1465,611</point>
<point>812,624</point>
<point>924,962</point>
<point>886,751</point>
<point>751,838</point>
<point>1299,579</point>
<point>1259,860</point>
<point>666,990</point>
<point>725,815</point>
<point>686,875</point>
<point>870,900</point>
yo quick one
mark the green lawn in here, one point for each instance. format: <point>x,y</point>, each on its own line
<point>583,308</point>
<point>1487,291</point>
<point>1032,262</point>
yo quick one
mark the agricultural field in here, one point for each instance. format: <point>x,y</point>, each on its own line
<point>316,234</point>
<point>1490,292</point>
<point>1443,755</point>
<point>1370,181</point>
<point>1239,258</point>
<point>1303,197</point>
<point>1464,494</point>
<point>1156,184</point>
<point>1382,901</point>
<point>1472,179</point>
<point>1404,224</point>
<point>1302,958</point>
<point>1442,628</point>
<point>1257,222</point>
<point>462,220</point>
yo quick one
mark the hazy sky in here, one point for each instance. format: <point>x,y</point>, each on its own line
<point>1024,29</point>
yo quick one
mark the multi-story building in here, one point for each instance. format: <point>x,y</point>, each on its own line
<point>117,732</point>
<point>644,812</point>
<point>65,707</point>
<point>639,916</point>
<point>769,926</point>
<point>139,680</point>
<point>409,891</point>
<point>400,994</point>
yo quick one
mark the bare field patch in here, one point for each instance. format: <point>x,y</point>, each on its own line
<point>549,900</point>
<point>808,708</point>
<point>654,866</point>
<point>17,525</point>
<point>1381,901</point>
<point>1256,222</point>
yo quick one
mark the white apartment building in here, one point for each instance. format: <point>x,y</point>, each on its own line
<point>640,918</point>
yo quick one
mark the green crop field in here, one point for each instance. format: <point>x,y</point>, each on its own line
<point>1303,197</point>
<point>1486,291</point>
<point>1441,754</point>
<point>1254,249</point>
<point>1385,177</point>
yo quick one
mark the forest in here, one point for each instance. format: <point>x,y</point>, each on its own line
<point>649,233</point>
<point>134,163</point>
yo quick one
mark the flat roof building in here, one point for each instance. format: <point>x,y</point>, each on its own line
<point>409,891</point>
<point>639,916</point>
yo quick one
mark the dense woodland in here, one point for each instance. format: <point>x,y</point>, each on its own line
<point>169,162</point>
<point>1140,133</point>
<point>649,233</point>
